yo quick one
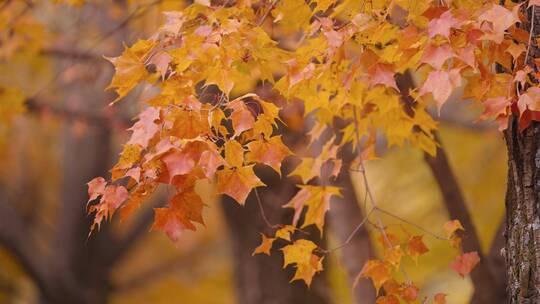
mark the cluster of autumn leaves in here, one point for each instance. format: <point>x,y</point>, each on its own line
<point>342,66</point>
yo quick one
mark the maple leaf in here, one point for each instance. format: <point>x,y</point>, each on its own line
<point>436,56</point>
<point>452,226</point>
<point>439,298</point>
<point>409,293</point>
<point>270,152</point>
<point>96,188</point>
<point>130,155</point>
<point>501,19</point>
<point>529,100</point>
<point>307,264</point>
<point>145,128</point>
<point>184,208</point>
<point>181,162</point>
<point>237,183</point>
<point>494,106</point>
<point>390,299</point>
<point>241,116</point>
<point>443,24</point>
<point>129,68</point>
<point>190,204</point>
<point>377,271</point>
<point>265,246</point>
<point>296,75</point>
<point>317,201</point>
<point>174,21</point>
<point>134,173</point>
<point>210,161</point>
<point>308,168</point>
<point>467,55</point>
<point>465,263</point>
<point>285,232</point>
<point>135,199</point>
<point>391,287</point>
<point>160,60</point>
<point>168,221</point>
<point>234,153</point>
<point>111,198</point>
<point>515,50</point>
<point>190,124</point>
<point>441,84</point>
<point>393,256</point>
<point>263,125</point>
<point>416,246</point>
<point>382,74</point>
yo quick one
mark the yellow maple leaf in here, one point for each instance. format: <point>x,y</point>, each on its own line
<point>265,246</point>
<point>129,68</point>
<point>317,201</point>
<point>300,253</point>
<point>234,154</point>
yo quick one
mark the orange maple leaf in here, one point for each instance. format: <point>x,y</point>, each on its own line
<point>269,152</point>
<point>465,263</point>
<point>265,246</point>
<point>416,247</point>
<point>238,182</point>
<point>377,271</point>
<point>184,208</point>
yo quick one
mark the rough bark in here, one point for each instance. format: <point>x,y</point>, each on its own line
<point>260,278</point>
<point>522,233</point>
<point>523,213</point>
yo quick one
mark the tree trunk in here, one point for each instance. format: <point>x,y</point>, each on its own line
<point>260,278</point>
<point>345,215</point>
<point>81,276</point>
<point>486,286</point>
<point>523,213</point>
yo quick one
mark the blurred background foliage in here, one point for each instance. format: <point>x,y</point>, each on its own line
<point>199,268</point>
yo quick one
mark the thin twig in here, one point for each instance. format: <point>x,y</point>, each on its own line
<point>530,35</point>
<point>263,214</point>
<point>266,13</point>
<point>353,233</point>
<point>370,195</point>
<point>411,223</point>
<point>138,12</point>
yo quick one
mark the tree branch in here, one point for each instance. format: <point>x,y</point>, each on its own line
<point>38,107</point>
<point>486,290</point>
<point>72,55</point>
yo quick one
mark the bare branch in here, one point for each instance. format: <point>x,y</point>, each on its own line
<point>38,107</point>
<point>72,54</point>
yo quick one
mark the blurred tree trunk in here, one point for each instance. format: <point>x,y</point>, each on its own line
<point>85,157</point>
<point>345,215</point>
<point>260,278</point>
